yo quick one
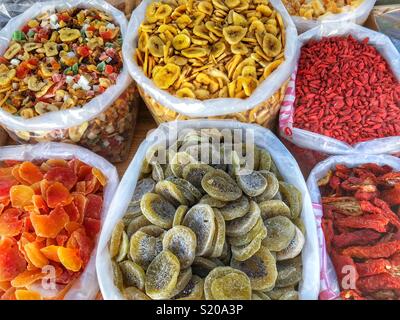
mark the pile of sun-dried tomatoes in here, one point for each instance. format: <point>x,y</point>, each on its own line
<point>361,223</point>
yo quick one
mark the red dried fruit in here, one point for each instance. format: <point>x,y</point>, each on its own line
<point>372,267</point>
<point>40,204</point>
<point>50,225</point>
<point>79,240</point>
<point>379,281</point>
<point>94,206</point>
<point>12,262</point>
<point>380,250</point>
<point>92,226</point>
<point>57,194</point>
<point>30,172</point>
<point>64,175</point>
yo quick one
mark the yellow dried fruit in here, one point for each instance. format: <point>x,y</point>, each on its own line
<point>167,75</point>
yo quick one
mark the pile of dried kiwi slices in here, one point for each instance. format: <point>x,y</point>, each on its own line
<point>202,231</point>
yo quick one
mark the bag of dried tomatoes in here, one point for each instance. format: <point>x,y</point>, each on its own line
<point>62,77</point>
<point>356,206</point>
<point>344,97</point>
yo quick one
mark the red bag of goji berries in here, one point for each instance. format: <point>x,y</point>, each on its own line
<point>329,289</point>
<point>344,97</point>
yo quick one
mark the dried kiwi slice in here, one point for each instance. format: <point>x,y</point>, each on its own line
<point>292,196</point>
<point>183,279</point>
<point>172,193</point>
<point>226,283</point>
<point>181,241</point>
<point>117,275</point>
<point>133,275</point>
<point>193,290</point>
<point>272,187</point>
<point>289,272</point>
<point>201,219</point>
<point>280,231</point>
<point>133,293</point>
<point>242,225</point>
<point>219,185</point>
<point>179,215</point>
<point>245,252</point>
<point>265,160</point>
<point>179,161</point>
<point>260,268</point>
<point>116,238</point>
<point>162,276</point>
<point>276,293</point>
<point>274,208</point>
<point>194,173</point>
<point>248,237</point>
<point>212,202</point>
<point>219,236</point>
<point>294,248</point>
<point>144,248</point>
<point>252,184</point>
<point>123,247</point>
<point>202,266</point>
<point>157,210</point>
<point>136,224</point>
<point>189,190</point>
<point>236,209</point>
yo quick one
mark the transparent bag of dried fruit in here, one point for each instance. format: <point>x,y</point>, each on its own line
<point>358,14</point>
<point>86,286</point>
<point>261,107</point>
<point>104,124</point>
<point>308,147</point>
<point>329,285</point>
<point>166,134</point>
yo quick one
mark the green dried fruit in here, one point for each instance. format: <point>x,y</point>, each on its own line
<point>252,184</point>
<point>219,185</point>
<point>157,210</point>
<point>193,290</point>
<point>116,238</point>
<point>144,248</point>
<point>179,215</point>
<point>243,225</point>
<point>274,208</point>
<point>272,187</point>
<point>242,253</point>
<point>292,196</point>
<point>289,272</point>
<point>133,275</point>
<point>133,293</point>
<point>236,209</point>
<point>280,231</point>
<point>219,236</point>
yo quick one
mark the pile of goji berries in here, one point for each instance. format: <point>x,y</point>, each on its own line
<point>361,224</point>
<point>346,90</point>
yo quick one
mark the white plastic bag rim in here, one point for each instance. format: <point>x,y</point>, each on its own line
<point>309,287</point>
<point>218,106</point>
<point>319,172</point>
<point>318,142</point>
<point>86,288</point>
<point>64,119</point>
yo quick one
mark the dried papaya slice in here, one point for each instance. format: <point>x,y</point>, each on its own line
<point>56,163</point>
<point>50,252</point>
<point>81,202</point>
<point>49,226</point>
<point>162,276</point>
<point>6,182</point>
<point>35,256</point>
<point>27,277</point>
<point>12,262</point>
<point>70,258</point>
<point>57,194</point>
<point>94,206</point>
<point>92,226</point>
<point>10,224</point>
<point>30,172</point>
<point>40,204</point>
<point>64,175</point>
<point>21,196</point>
<point>79,240</point>
<point>72,212</point>
<point>100,176</point>
<point>27,295</point>
<point>72,226</point>
<point>16,175</point>
<point>44,185</point>
<point>226,283</point>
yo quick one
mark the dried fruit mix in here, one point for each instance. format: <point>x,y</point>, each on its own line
<point>197,230</point>
<point>210,49</point>
<point>314,9</point>
<point>361,223</point>
<point>49,219</point>
<point>346,90</point>
<point>59,60</point>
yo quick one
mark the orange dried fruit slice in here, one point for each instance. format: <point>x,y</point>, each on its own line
<point>12,262</point>
<point>57,194</point>
<point>94,206</point>
<point>84,171</point>
<point>72,211</point>
<point>64,175</point>
<point>35,256</point>
<point>21,196</point>
<point>5,285</point>
<point>16,175</point>
<point>40,204</point>
<point>81,203</point>
<point>70,258</point>
<point>10,224</point>
<point>79,240</point>
<point>100,176</point>
<point>26,278</point>
<point>50,252</point>
<point>50,225</point>
<point>36,188</point>
<point>27,295</point>
<point>30,172</point>
<point>72,226</point>
<point>8,294</point>
<point>57,163</point>
<point>44,185</point>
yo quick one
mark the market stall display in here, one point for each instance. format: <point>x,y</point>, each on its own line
<point>211,60</point>
<point>53,198</point>
<point>355,202</point>
<point>59,61</point>
<point>221,215</point>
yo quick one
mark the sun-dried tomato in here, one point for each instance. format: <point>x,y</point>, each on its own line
<point>380,250</point>
<point>378,282</point>
<point>355,238</point>
<point>372,267</point>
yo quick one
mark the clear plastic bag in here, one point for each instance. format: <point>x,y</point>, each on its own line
<point>357,15</point>
<point>308,147</point>
<point>329,285</point>
<point>260,107</point>
<point>56,125</point>
<point>86,287</point>
<point>264,138</point>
